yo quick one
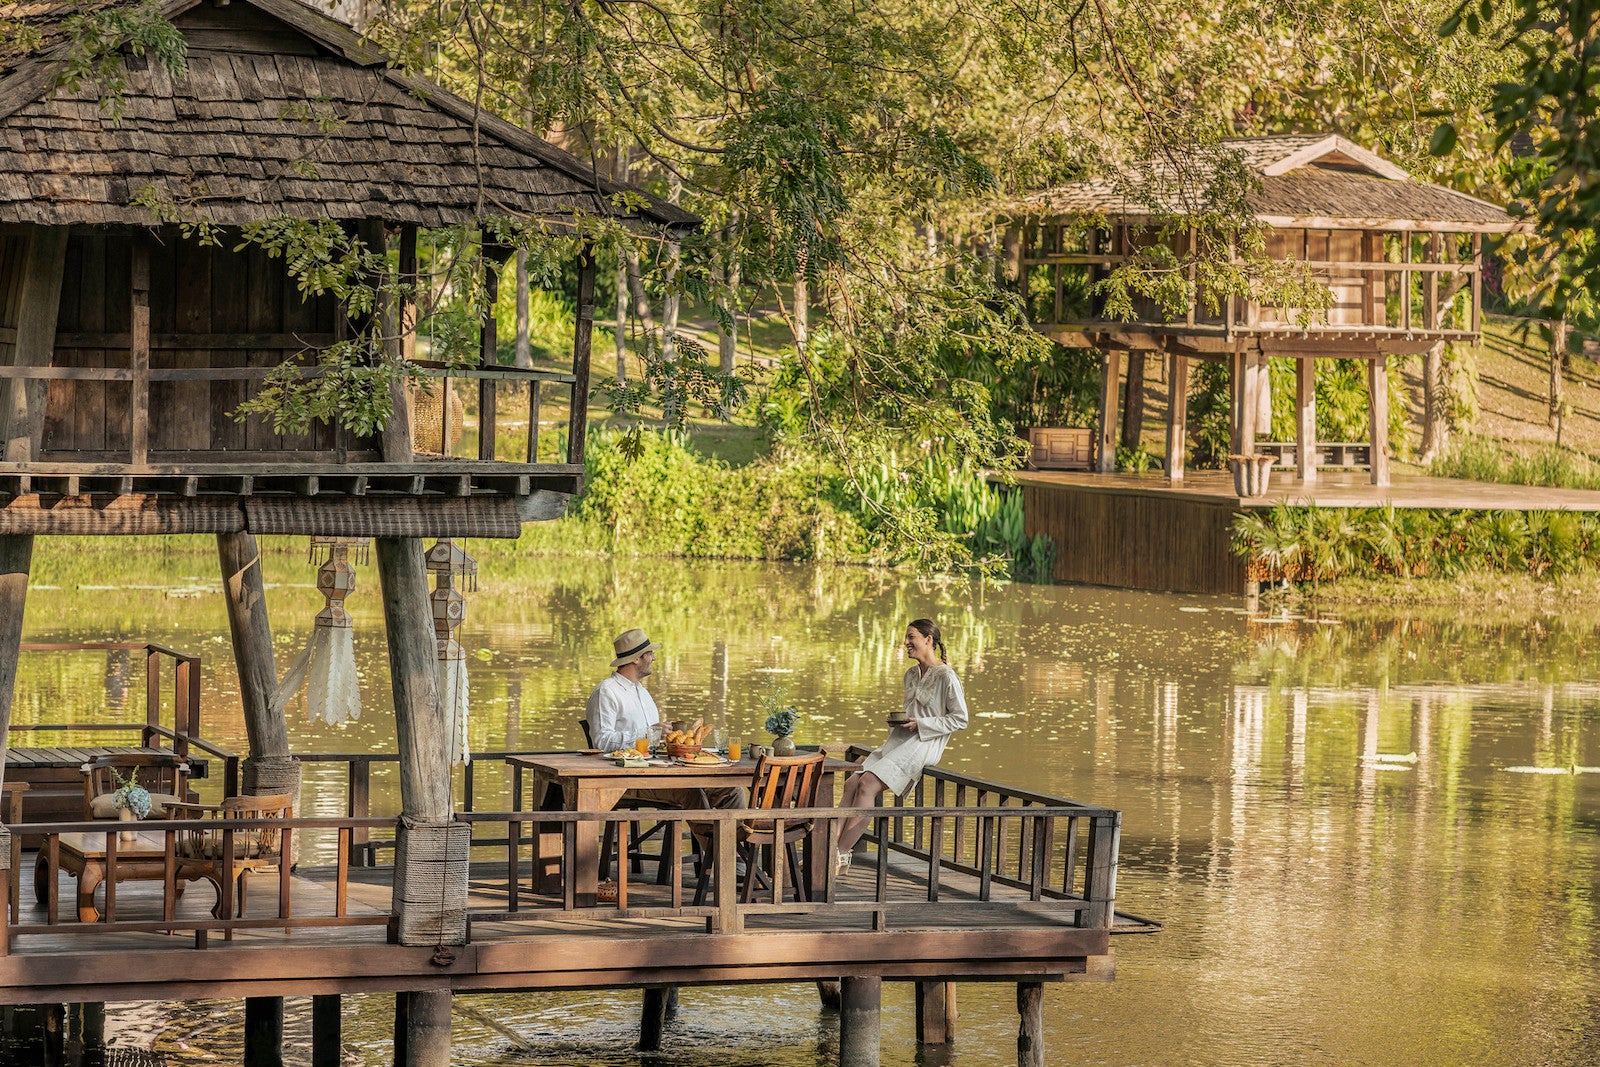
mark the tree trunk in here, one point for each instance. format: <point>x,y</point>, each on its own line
<point>728,336</point>
<point>802,313</point>
<point>622,321</point>
<point>1133,402</point>
<point>1435,423</point>
<point>1558,358</point>
<point>524,346</point>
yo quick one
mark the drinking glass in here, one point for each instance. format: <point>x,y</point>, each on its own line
<point>735,750</point>
<point>643,746</point>
<point>719,738</point>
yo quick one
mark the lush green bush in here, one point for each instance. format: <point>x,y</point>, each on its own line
<point>1485,461</point>
<point>671,500</point>
<point>1298,544</point>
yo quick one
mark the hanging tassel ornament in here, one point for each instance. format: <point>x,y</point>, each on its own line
<point>450,565</point>
<point>327,667</point>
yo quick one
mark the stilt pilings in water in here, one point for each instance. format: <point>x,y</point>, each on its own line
<point>263,1032</point>
<point>327,1030</point>
<point>860,1021</point>
<point>1030,1028</point>
<point>936,1013</point>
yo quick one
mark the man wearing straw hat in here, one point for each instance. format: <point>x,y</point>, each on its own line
<point>621,710</point>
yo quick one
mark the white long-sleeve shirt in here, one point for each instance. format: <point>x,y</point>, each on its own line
<point>620,711</point>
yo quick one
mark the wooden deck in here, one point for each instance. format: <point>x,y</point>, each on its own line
<point>984,883</point>
<point>1143,532</point>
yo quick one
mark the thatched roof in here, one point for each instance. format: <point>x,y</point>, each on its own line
<point>1319,182</point>
<point>283,111</point>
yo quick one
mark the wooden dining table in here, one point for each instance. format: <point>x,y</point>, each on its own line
<point>587,781</point>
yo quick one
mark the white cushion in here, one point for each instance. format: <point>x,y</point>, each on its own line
<point>104,807</point>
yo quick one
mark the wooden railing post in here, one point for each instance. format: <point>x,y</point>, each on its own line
<point>358,805</point>
<point>728,919</point>
<point>1100,878</point>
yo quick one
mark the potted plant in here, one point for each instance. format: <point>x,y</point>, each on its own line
<point>131,800</point>
<point>781,719</point>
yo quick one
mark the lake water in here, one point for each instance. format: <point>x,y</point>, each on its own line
<point>1322,904</point>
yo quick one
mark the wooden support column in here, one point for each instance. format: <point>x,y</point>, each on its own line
<point>1133,402</point>
<point>270,767</point>
<point>399,332</point>
<point>1106,456</point>
<point>327,1030</point>
<point>16,556</point>
<point>1030,1027</point>
<point>828,993</point>
<point>652,1018</point>
<point>582,342</point>
<point>1177,414</point>
<point>1378,406</point>
<point>139,351</point>
<point>488,353</point>
<point>1305,435</point>
<point>263,1032</point>
<point>430,879</point>
<point>43,265</point>
<point>422,1028</point>
<point>860,1020</point>
<point>936,1013</point>
<point>421,732</point>
<point>1235,402</point>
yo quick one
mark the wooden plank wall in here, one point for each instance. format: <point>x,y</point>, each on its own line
<point>1136,541</point>
<point>194,290</point>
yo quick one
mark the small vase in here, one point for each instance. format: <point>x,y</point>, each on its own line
<point>783,745</point>
<point>128,835</point>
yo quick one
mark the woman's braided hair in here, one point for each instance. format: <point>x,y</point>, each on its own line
<point>930,629</point>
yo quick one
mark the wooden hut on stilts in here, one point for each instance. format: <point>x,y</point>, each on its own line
<point>127,343</point>
<point>1401,261</point>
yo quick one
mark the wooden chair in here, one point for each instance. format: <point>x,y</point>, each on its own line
<point>201,849</point>
<point>781,783</point>
<point>164,774</point>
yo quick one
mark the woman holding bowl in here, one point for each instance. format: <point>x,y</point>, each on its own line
<point>935,707</point>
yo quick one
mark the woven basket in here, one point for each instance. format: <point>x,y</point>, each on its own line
<point>428,417</point>
<point>677,751</point>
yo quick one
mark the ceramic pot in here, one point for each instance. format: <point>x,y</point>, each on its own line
<point>128,834</point>
<point>783,745</point>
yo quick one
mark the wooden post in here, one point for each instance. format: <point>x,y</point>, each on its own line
<point>427,1029</point>
<point>1378,406</point>
<point>828,993</point>
<point>270,767</point>
<point>399,330</point>
<point>16,557</point>
<point>44,264</point>
<point>860,1021</point>
<point>1030,1028</point>
<point>421,732</point>
<point>1249,402</point>
<point>1177,414</point>
<point>1106,459</point>
<point>1305,436</point>
<point>653,1018</point>
<point>263,1032</point>
<point>488,355</point>
<point>327,1033</point>
<point>1235,402</point>
<point>936,1021</point>
<point>1133,402</point>
<point>139,351</point>
<point>582,341</point>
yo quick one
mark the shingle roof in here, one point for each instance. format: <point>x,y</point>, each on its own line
<point>1315,181</point>
<point>253,131</point>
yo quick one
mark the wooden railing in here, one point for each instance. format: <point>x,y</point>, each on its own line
<point>183,697</point>
<point>292,911</point>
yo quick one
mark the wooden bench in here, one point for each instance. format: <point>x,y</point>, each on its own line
<point>1356,454</point>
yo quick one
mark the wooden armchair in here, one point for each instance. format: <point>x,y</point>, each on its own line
<point>164,774</point>
<point>206,849</point>
<point>781,783</point>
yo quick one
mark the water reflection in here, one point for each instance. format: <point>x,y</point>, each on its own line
<point>1327,899</point>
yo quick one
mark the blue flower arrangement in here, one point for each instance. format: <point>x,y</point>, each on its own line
<point>131,795</point>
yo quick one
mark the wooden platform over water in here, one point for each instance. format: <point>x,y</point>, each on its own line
<point>1138,531</point>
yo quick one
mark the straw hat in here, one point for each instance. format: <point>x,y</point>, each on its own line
<point>630,645</point>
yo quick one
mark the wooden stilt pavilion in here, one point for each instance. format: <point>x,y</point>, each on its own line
<point>1402,261</point>
<point>126,345</point>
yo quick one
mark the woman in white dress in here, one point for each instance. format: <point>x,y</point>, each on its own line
<point>935,708</point>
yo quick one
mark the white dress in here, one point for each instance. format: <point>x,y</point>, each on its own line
<point>939,707</point>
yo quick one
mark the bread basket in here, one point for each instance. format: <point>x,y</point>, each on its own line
<point>682,751</point>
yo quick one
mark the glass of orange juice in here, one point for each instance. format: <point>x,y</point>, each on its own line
<point>643,745</point>
<point>735,749</point>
